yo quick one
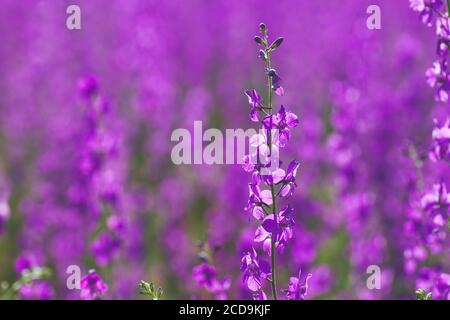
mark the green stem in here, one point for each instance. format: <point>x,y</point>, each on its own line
<point>272,189</point>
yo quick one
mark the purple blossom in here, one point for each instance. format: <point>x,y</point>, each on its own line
<point>254,99</point>
<point>205,275</point>
<point>25,262</point>
<point>298,287</point>
<point>441,142</point>
<point>105,248</point>
<point>437,204</point>
<point>92,286</point>
<point>288,181</point>
<point>278,225</point>
<point>88,86</point>
<point>276,82</point>
<point>426,8</point>
<point>36,290</point>
<point>255,271</point>
<point>282,121</point>
<point>438,78</point>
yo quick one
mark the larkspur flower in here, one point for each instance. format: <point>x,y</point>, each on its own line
<point>437,204</point>
<point>255,100</point>
<point>255,271</point>
<point>441,142</point>
<point>298,287</point>
<point>439,78</point>
<point>205,275</point>
<point>279,226</point>
<point>276,82</point>
<point>426,8</point>
<point>283,121</point>
<point>92,286</point>
<point>263,162</point>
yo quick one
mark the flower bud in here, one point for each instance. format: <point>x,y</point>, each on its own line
<point>262,27</point>
<point>262,55</point>
<point>276,43</point>
<point>258,40</point>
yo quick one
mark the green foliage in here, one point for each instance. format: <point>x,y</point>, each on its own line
<point>149,289</point>
<point>423,295</point>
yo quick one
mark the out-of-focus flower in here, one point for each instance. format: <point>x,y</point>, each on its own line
<point>4,210</point>
<point>88,86</point>
<point>25,262</point>
<point>204,275</point>
<point>92,286</point>
<point>36,290</point>
<point>105,248</point>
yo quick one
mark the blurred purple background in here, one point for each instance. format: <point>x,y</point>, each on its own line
<point>90,182</point>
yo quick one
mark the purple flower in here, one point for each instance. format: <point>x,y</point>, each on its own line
<point>298,287</point>
<point>441,142</point>
<point>254,272</point>
<point>92,286</point>
<point>288,181</point>
<point>282,121</point>
<point>442,289</point>
<point>221,287</point>
<point>25,262</point>
<point>205,275</point>
<point>105,248</point>
<point>437,204</point>
<point>280,226</point>
<point>254,99</point>
<point>276,82</point>
<point>36,290</point>
<point>258,197</point>
<point>426,9</point>
<point>438,78</point>
<point>88,86</point>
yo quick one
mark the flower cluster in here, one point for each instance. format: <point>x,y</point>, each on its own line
<point>437,205</point>
<point>269,181</point>
<point>438,76</point>
<point>440,149</point>
<point>100,182</point>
